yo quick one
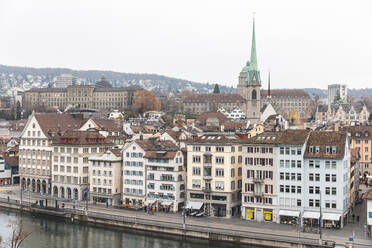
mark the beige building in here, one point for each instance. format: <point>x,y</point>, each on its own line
<point>101,96</point>
<point>105,175</point>
<point>342,113</point>
<point>259,177</point>
<point>286,100</point>
<point>71,152</point>
<point>214,163</point>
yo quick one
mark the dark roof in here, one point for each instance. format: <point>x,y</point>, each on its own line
<point>265,138</point>
<point>202,119</point>
<point>287,93</point>
<point>214,98</point>
<point>294,137</point>
<point>108,124</point>
<point>80,138</point>
<point>363,132</point>
<point>57,123</point>
<point>47,90</point>
<point>103,83</point>
<point>326,138</point>
<point>161,154</point>
<point>156,145</point>
<point>216,138</point>
<point>13,161</point>
<point>117,152</point>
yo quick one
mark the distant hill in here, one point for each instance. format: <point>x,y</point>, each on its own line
<point>17,75</point>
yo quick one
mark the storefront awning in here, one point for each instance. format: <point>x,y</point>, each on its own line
<point>311,215</point>
<point>150,202</point>
<point>193,205</point>
<point>289,213</point>
<point>331,216</point>
<point>166,203</point>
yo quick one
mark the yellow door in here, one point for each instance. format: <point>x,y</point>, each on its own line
<point>268,215</point>
<point>249,213</point>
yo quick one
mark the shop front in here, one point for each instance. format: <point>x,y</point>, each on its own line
<point>249,213</point>
<point>268,215</point>
<point>289,217</point>
<point>311,219</point>
<point>331,220</point>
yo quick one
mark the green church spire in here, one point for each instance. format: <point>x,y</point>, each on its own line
<point>253,50</point>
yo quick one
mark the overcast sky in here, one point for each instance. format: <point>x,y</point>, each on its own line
<point>303,43</point>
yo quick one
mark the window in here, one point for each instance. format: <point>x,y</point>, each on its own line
<point>220,160</point>
<point>334,191</point>
<point>293,189</point>
<point>287,149</point>
<point>282,150</point>
<point>281,163</point>
<point>317,164</point>
<point>196,159</point>
<point>333,164</point>
<point>327,190</point>
<point>311,190</point>
<point>196,170</point>
<point>232,185</point>
<point>299,189</point>
<point>317,203</point>
<point>311,203</point>
<point>317,190</point>
<point>293,163</point>
<point>232,172</point>
<point>298,202</point>
<point>311,164</point>
<point>220,185</point>
<point>232,160</point>
<point>85,160</point>
<point>220,172</point>
<point>333,177</point>
<point>298,163</point>
<point>239,172</point>
<point>196,183</point>
<point>282,188</point>
<point>299,153</point>
<point>219,149</point>
<point>207,148</point>
<point>334,204</point>
<point>327,164</point>
<point>311,177</point>
<point>287,188</point>
<point>281,175</point>
<point>287,176</point>
<point>317,177</point>
<point>293,176</point>
<point>85,150</point>
<point>298,176</point>
<point>196,148</point>
<point>327,177</point>
<point>327,204</point>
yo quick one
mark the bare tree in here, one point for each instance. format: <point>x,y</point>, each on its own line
<point>19,234</point>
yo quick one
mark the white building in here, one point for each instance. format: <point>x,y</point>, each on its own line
<point>165,176</point>
<point>64,80</point>
<point>368,197</point>
<point>105,177</point>
<point>35,150</point>
<point>290,176</point>
<point>71,152</point>
<point>134,172</point>
<point>235,113</point>
<point>337,92</point>
<point>327,173</point>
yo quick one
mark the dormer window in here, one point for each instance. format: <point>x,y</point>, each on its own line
<point>357,134</point>
<point>328,150</point>
<point>317,149</point>
<point>311,149</point>
<point>334,149</point>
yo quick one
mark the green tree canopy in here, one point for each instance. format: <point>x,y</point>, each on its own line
<point>216,89</point>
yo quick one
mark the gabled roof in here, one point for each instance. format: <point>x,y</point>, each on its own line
<point>294,137</point>
<point>359,132</point>
<point>110,125</point>
<point>216,138</point>
<point>80,138</point>
<point>208,115</point>
<point>57,123</point>
<point>326,138</point>
<point>265,138</point>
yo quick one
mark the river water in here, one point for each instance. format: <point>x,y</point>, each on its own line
<point>47,232</point>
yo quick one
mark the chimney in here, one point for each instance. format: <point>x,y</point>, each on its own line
<point>337,125</point>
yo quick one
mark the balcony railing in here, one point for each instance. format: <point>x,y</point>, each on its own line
<point>258,180</point>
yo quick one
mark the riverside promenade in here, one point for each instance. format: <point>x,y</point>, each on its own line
<point>234,229</point>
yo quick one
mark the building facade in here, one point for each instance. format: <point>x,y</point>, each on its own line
<point>71,152</point>
<point>259,181</point>
<point>337,93</point>
<point>105,175</point>
<point>165,177</point>
<point>35,149</point>
<point>214,173</point>
<point>101,96</point>
<point>345,114</point>
<point>64,80</point>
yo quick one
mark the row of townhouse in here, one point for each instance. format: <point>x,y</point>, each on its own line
<point>283,177</point>
<point>295,175</point>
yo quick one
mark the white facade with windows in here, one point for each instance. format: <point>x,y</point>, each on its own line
<point>166,178</point>
<point>134,174</point>
<point>105,177</point>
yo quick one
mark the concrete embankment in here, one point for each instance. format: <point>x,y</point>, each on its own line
<point>171,228</point>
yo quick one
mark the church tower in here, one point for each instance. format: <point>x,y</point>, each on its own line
<point>250,84</point>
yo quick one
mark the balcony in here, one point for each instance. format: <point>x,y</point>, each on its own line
<point>207,189</point>
<point>207,177</point>
<point>258,193</point>
<point>258,180</point>
<point>207,164</point>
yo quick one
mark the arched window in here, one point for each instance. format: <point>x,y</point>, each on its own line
<point>254,95</point>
